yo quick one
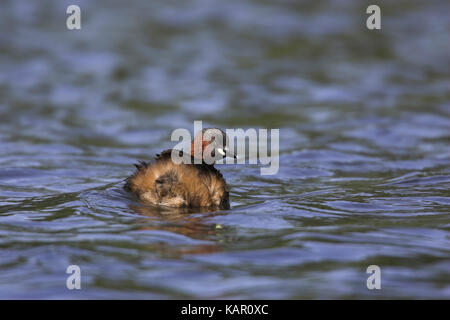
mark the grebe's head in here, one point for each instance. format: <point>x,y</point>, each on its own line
<point>211,144</point>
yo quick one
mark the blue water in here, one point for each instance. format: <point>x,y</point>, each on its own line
<point>364,176</point>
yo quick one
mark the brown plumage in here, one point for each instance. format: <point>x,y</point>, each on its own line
<point>184,185</point>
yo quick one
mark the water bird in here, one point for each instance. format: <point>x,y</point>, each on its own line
<point>194,183</point>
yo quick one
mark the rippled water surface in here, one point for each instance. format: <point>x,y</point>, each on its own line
<point>364,119</point>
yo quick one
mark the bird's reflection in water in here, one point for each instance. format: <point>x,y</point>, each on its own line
<point>183,221</point>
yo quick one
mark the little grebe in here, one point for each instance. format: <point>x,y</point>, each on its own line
<point>190,184</point>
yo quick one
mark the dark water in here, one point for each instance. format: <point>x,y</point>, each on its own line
<point>364,119</point>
